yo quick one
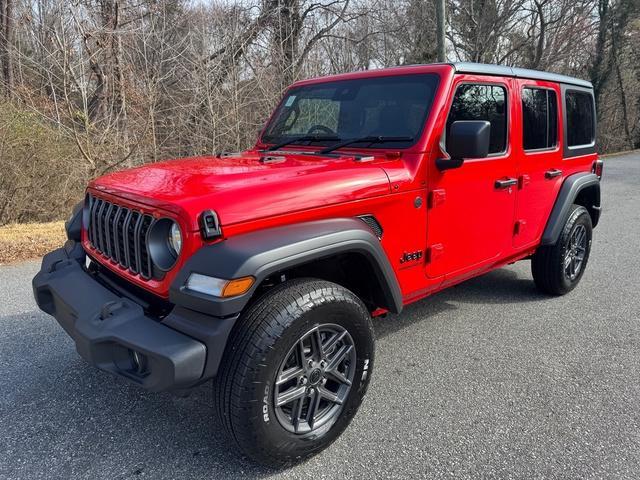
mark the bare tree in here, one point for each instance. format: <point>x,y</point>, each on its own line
<point>480,28</point>
<point>613,19</point>
<point>116,83</point>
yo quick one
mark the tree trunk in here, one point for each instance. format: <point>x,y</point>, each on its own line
<point>440,14</point>
<point>6,42</point>
<point>614,20</point>
<point>541,36</point>
<point>287,25</point>
<point>597,73</point>
<point>3,42</point>
<point>120,100</point>
<point>615,52</point>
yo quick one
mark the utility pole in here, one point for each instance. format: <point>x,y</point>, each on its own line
<point>442,56</point>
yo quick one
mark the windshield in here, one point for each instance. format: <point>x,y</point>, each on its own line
<point>394,107</point>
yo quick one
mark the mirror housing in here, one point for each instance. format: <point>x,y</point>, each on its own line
<point>466,139</point>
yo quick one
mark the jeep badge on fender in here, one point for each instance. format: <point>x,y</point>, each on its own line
<point>262,270</point>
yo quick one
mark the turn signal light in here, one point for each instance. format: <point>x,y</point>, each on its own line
<point>237,286</point>
<point>219,287</point>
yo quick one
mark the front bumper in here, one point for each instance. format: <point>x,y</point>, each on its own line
<point>113,332</point>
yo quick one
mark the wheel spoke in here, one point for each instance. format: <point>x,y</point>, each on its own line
<point>314,403</point>
<point>301,354</point>
<point>339,357</point>
<point>567,261</point>
<point>290,374</point>
<point>328,395</point>
<point>335,338</point>
<point>296,412</point>
<point>316,345</point>
<point>290,395</point>
<point>338,377</point>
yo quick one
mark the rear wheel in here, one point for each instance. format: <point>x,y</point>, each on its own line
<point>557,269</point>
<point>295,371</point>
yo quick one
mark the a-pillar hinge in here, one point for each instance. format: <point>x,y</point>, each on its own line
<point>437,197</point>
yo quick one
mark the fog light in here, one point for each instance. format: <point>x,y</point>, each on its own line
<point>219,287</point>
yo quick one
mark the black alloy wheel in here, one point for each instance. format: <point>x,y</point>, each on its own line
<point>575,252</point>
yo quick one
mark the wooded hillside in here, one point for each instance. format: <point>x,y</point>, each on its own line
<point>90,86</point>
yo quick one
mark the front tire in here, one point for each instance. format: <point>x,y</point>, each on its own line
<point>295,371</point>
<point>557,269</point>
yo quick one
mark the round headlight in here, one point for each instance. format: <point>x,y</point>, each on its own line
<point>175,238</point>
<point>164,241</point>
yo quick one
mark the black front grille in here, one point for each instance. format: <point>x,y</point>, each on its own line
<point>120,233</point>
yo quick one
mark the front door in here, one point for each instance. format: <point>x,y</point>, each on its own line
<point>539,158</point>
<point>471,208</point>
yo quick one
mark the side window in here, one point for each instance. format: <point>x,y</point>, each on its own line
<point>580,118</point>
<point>482,102</point>
<point>539,118</point>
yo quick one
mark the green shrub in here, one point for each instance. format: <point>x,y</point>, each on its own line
<point>41,176</point>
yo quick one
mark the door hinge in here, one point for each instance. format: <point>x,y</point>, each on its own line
<point>434,252</point>
<point>519,227</point>
<point>523,181</point>
<point>437,197</point>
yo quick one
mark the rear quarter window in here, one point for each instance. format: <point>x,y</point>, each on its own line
<point>539,118</point>
<point>581,125</point>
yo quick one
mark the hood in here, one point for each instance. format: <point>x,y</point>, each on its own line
<point>243,187</point>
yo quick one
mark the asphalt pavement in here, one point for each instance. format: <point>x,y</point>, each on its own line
<point>489,379</point>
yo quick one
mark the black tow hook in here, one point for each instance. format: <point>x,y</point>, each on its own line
<point>109,308</point>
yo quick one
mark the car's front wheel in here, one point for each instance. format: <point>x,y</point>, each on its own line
<point>295,371</point>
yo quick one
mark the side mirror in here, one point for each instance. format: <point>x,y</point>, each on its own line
<point>467,139</point>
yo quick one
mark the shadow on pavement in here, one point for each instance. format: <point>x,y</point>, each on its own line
<point>57,404</point>
<point>63,418</point>
<point>497,287</point>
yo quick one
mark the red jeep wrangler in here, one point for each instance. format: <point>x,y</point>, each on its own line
<point>365,192</point>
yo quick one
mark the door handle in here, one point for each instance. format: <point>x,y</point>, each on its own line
<point>552,173</point>
<point>506,183</point>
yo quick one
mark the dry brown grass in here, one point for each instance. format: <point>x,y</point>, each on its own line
<point>29,240</point>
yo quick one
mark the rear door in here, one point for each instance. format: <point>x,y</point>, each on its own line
<point>471,208</point>
<point>539,158</point>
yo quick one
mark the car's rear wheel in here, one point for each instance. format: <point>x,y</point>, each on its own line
<point>295,371</point>
<point>557,269</point>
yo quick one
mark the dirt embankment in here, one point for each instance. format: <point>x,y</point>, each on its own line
<point>29,240</point>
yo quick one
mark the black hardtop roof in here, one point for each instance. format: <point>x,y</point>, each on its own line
<point>504,71</point>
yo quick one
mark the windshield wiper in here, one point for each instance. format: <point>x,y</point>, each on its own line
<point>369,139</point>
<point>306,138</point>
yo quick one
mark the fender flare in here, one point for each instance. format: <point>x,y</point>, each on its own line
<point>569,191</point>
<point>265,252</point>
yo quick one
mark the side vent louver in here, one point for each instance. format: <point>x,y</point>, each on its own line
<point>373,224</point>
